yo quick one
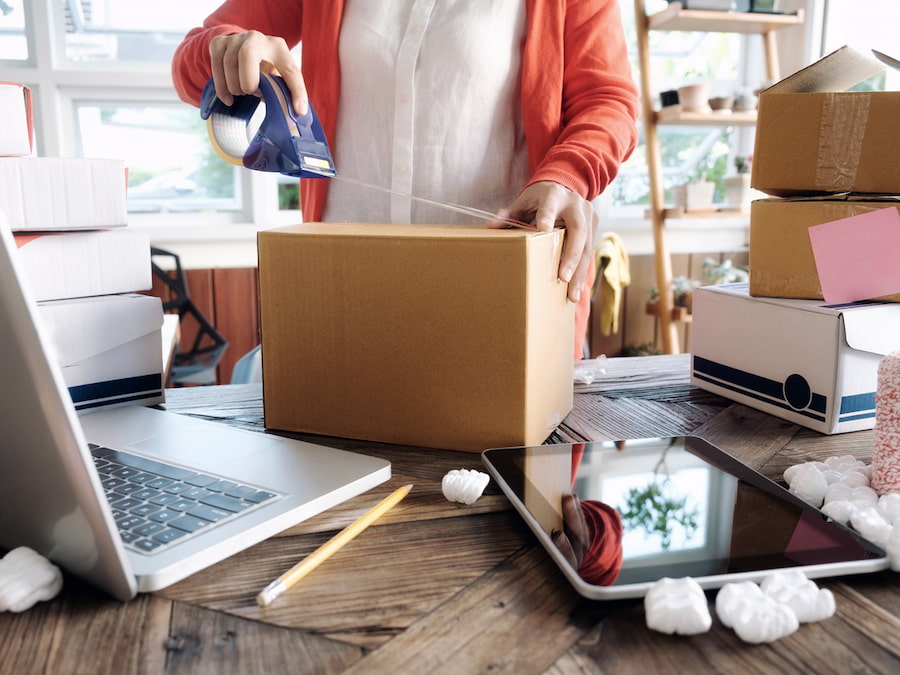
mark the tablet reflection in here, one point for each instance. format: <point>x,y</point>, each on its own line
<point>591,539</point>
<point>624,513</point>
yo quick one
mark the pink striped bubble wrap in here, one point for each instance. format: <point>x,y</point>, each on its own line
<point>886,451</point>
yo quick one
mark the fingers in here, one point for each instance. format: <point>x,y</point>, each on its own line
<point>565,547</point>
<point>498,222</point>
<point>238,59</point>
<point>578,282</point>
<point>575,526</point>
<point>549,205</point>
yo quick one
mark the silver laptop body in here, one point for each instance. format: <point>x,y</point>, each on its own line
<point>51,497</point>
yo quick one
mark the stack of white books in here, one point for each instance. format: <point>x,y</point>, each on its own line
<point>86,268</point>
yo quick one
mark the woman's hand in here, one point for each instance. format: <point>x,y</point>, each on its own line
<point>548,204</point>
<point>575,539</point>
<point>238,59</point>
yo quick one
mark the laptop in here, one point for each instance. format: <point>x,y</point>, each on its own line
<point>672,507</point>
<point>192,492</point>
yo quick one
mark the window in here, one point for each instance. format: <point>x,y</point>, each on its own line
<point>732,64</point>
<point>99,70</point>
<point>100,75</point>
<point>855,23</point>
<point>13,46</point>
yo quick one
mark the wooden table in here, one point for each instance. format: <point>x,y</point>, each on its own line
<point>436,587</point>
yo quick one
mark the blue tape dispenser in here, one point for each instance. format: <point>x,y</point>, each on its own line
<point>266,134</point>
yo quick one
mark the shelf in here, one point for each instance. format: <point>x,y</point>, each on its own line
<point>675,17</point>
<point>677,212</point>
<point>673,114</point>
<point>679,314</point>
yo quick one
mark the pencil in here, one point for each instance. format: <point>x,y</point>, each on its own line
<point>329,548</point>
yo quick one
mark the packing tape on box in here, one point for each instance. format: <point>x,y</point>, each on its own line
<point>840,143</point>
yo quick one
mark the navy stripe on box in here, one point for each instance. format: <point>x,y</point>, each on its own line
<point>793,394</point>
<point>122,390</point>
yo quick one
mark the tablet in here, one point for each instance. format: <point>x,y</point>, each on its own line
<point>671,507</point>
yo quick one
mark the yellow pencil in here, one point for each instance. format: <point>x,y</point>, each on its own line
<point>330,547</point>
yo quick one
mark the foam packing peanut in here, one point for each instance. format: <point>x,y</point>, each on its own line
<point>677,606</point>
<point>807,482</point>
<point>792,588</point>
<point>893,548</point>
<point>27,577</point>
<point>889,507</point>
<point>754,616</point>
<point>871,525</point>
<point>464,485</point>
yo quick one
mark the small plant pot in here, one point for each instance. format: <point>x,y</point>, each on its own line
<point>744,103</point>
<point>695,196</point>
<point>721,104</point>
<point>737,191</point>
<point>694,97</point>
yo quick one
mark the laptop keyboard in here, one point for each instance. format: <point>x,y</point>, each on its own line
<point>157,504</point>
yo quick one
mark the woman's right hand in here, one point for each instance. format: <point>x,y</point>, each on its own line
<point>239,58</point>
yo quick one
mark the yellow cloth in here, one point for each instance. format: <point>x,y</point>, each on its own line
<point>615,274</point>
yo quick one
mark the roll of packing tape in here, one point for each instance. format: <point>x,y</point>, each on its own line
<point>230,136</point>
<point>886,451</point>
<point>265,134</point>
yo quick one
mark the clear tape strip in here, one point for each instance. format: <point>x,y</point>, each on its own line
<point>465,210</point>
<point>230,136</point>
<point>840,140</point>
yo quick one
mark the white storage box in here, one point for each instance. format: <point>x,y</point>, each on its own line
<point>52,193</point>
<point>802,360</point>
<point>109,348</point>
<point>62,265</point>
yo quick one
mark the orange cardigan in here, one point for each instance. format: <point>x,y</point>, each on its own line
<point>579,101</point>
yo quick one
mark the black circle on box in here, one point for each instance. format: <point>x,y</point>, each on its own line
<point>797,392</point>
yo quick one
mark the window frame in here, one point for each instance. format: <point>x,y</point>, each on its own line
<point>59,86</point>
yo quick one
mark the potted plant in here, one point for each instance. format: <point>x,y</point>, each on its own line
<point>738,193</point>
<point>694,97</point>
<point>682,299</point>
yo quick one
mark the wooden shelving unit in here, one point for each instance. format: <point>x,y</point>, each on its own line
<point>675,18</point>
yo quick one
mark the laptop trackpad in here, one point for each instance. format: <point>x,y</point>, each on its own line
<point>205,446</point>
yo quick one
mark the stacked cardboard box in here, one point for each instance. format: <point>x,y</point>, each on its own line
<point>823,154</point>
<point>456,337</point>
<point>84,266</point>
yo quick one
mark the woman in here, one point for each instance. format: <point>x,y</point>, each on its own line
<point>518,102</point>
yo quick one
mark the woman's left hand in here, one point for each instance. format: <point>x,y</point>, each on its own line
<point>548,204</point>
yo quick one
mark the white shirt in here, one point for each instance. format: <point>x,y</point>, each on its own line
<point>429,106</point>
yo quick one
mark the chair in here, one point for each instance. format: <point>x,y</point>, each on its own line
<point>248,369</point>
<point>196,365</point>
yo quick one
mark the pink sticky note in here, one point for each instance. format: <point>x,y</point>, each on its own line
<point>857,257</point>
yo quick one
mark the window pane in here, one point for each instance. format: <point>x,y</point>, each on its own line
<point>125,30</point>
<point>679,58</point>
<point>172,167</point>
<point>13,46</point>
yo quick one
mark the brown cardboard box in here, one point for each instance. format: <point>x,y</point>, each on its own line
<point>812,136</point>
<point>781,256</point>
<point>438,336</point>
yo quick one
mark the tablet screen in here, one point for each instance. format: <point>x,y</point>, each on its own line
<point>671,507</point>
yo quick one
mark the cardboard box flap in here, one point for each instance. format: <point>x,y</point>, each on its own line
<point>838,197</point>
<point>404,231</point>
<point>838,71</point>
<point>873,328</point>
<point>95,325</point>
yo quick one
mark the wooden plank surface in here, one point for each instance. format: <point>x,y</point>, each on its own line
<point>437,587</point>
